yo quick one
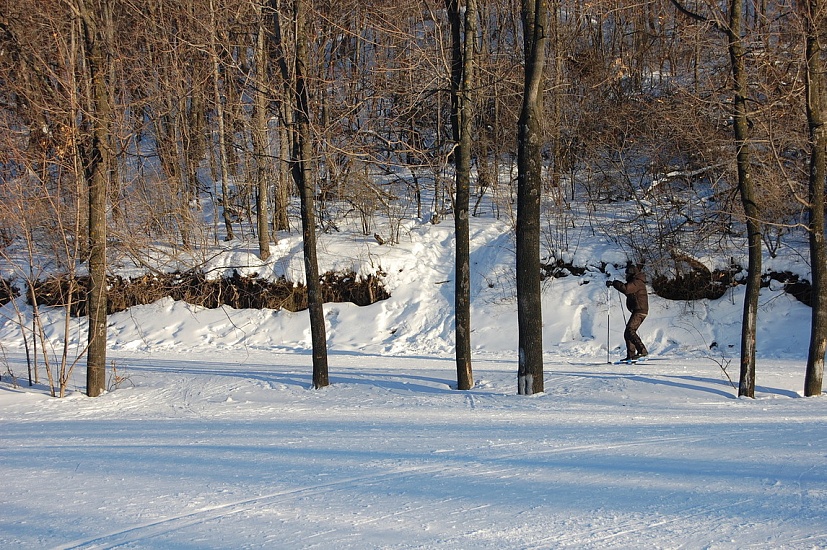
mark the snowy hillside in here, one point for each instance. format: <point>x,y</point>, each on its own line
<point>579,314</point>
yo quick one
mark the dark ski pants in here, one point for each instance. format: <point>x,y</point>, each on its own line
<point>634,345</point>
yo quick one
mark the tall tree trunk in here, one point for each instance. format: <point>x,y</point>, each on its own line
<point>223,155</point>
<point>301,170</point>
<point>462,82</point>
<point>818,143</point>
<point>260,138</point>
<point>286,133</point>
<point>746,385</point>
<point>534,15</point>
<point>97,159</point>
<point>733,30</point>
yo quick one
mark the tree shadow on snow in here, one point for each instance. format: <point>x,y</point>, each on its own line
<point>690,382</point>
<point>714,386</point>
<point>295,375</point>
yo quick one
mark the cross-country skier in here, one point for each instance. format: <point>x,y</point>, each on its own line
<point>637,302</point>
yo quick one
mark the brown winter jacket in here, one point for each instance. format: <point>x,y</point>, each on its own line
<point>637,297</point>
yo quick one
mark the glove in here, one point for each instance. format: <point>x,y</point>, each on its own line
<point>608,284</point>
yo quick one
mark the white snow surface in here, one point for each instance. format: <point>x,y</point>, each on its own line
<point>214,438</point>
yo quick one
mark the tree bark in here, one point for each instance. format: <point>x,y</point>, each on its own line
<point>534,14</point>
<point>260,138</point>
<point>815,90</point>
<point>746,385</point>
<point>301,170</point>
<point>222,131</point>
<point>286,133</point>
<point>96,162</point>
<point>462,82</point>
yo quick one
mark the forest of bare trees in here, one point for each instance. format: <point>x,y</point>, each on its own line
<point>121,121</point>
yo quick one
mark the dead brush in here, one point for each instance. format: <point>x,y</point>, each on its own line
<point>193,287</point>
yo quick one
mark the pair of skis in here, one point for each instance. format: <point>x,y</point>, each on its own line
<point>618,362</point>
<point>629,361</point>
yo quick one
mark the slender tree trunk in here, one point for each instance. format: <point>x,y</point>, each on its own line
<point>746,385</point>
<point>222,131</point>
<point>557,97</point>
<point>281,222</point>
<point>462,79</point>
<point>818,251</point>
<point>301,164</point>
<point>96,163</point>
<point>529,184</point>
<point>286,133</point>
<point>260,139</point>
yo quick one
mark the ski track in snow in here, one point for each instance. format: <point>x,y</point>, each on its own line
<point>604,436</point>
<point>616,530</point>
<point>142,533</point>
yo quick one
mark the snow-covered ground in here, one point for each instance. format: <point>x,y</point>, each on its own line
<point>214,439</point>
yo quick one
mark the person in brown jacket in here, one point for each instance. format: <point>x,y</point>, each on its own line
<point>637,302</point>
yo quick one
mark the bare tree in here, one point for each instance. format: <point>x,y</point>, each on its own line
<point>303,177</point>
<point>279,54</point>
<point>260,131</point>
<point>733,28</point>
<point>735,42</point>
<point>463,38</point>
<point>169,85</point>
<point>95,19</point>
<point>45,195</point>
<point>534,15</point>
<point>815,91</point>
<point>219,98</point>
